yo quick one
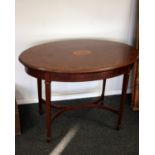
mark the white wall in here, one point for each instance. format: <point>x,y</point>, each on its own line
<point>40,21</point>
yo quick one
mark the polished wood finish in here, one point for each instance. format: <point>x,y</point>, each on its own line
<point>135,90</point>
<point>17,120</point>
<point>48,106</point>
<point>103,90</point>
<point>124,89</point>
<point>39,84</point>
<point>75,61</point>
<point>60,57</point>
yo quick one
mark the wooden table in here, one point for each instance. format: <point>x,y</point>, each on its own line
<point>75,61</point>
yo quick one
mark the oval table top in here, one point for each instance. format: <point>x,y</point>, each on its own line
<point>78,56</point>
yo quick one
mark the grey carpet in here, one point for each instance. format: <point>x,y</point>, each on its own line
<point>96,134</point>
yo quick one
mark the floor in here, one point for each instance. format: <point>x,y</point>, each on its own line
<point>82,132</point>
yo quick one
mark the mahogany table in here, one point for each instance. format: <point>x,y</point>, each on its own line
<point>78,60</point>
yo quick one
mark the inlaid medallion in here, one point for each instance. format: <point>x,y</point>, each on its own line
<point>81,52</point>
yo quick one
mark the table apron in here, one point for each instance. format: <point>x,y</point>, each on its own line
<point>78,77</point>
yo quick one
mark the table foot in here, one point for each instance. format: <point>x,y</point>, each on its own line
<point>118,127</point>
<point>40,112</point>
<point>48,139</point>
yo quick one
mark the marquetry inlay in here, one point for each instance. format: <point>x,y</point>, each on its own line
<point>81,52</point>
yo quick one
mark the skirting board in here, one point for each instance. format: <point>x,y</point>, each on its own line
<point>70,96</point>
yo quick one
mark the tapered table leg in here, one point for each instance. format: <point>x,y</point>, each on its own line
<point>48,109</point>
<point>39,85</point>
<point>103,91</point>
<point>124,89</point>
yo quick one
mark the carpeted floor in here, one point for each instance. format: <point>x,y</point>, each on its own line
<point>82,132</point>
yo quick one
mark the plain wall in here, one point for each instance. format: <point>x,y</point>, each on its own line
<point>39,21</point>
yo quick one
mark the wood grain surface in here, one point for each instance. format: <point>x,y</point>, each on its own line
<point>78,56</point>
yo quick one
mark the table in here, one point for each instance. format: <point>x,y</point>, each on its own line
<point>78,60</point>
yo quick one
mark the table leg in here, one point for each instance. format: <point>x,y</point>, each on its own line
<point>39,85</point>
<point>103,91</point>
<point>124,89</point>
<point>48,109</point>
